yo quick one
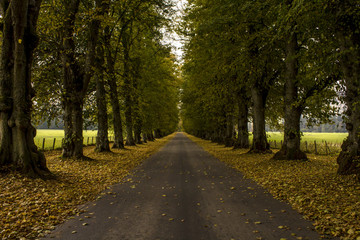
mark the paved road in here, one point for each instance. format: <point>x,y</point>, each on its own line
<point>184,193</point>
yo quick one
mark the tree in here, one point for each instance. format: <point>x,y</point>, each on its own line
<point>242,140</point>
<point>210,79</point>
<point>19,40</point>
<point>346,25</point>
<point>111,55</point>
<point>102,141</point>
<point>299,34</point>
<point>76,77</point>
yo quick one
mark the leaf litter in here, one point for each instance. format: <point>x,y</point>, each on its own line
<point>30,208</point>
<point>330,201</point>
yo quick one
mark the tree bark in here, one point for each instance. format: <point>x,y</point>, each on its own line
<point>117,122</point>
<point>290,150</point>
<point>136,103</point>
<point>128,90</point>
<point>102,142</point>
<point>150,136</point>
<point>76,77</point>
<point>229,133</point>
<point>73,86</point>
<point>6,79</point>
<point>348,159</point>
<point>114,96</point>
<point>158,134</point>
<point>260,144</point>
<point>17,147</point>
<point>242,140</point>
<point>137,131</point>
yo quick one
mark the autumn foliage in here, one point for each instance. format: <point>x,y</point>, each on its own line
<point>30,208</point>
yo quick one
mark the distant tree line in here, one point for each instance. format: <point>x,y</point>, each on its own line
<point>272,63</point>
<point>336,125</point>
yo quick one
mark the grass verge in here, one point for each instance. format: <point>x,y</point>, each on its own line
<point>29,208</point>
<point>313,188</point>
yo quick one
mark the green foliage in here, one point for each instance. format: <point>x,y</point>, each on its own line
<point>134,26</point>
<point>237,45</point>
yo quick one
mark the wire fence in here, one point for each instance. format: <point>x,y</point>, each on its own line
<point>47,144</point>
<point>317,147</point>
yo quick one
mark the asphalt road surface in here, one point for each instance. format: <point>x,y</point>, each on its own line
<point>184,193</point>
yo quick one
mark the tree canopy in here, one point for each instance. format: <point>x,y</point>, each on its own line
<point>273,63</point>
<point>105,63</point>
<point>98,62</point>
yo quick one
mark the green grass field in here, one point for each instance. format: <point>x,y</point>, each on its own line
<point>333,140</point>
<point>50,134</point>
<point>311,137</point>
<point>326,143</point>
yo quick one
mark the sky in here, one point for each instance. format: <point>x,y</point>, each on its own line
<point>173,38</point>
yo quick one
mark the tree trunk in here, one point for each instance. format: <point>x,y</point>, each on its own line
<point>158,134</point>
<point>144,137</point>
<point>221,134</point>
<point>73,87</point>
<point>17,148</point>
<point>129,122</point>
<point>137,133</point>
<point>348,158</point>
<point>260,144</point>
<point>136,103</point>
<point>290,150</point>
<point>118,130</point>
<point>114,96</point>
<point>73,126</point>
<point>214,136</point>
<point>102,142</point>
<point>229,133</point>
<point>6,84</point>
<point>150,136</point>
<point>128,90</point>
<point>242,140</point>
<point>76,77</point>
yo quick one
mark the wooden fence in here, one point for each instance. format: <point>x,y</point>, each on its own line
<point>317,147</point>
<point>56,143</point>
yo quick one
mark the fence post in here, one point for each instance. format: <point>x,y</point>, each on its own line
<point>326,148</point>
<point>62,142</point>
<point>92,140</point>
<point>316,152</point>
<point>306,146</point>
<point>54,143</point>
<point>275,143</point>
<point>43,145</point>
<point>87,143</point>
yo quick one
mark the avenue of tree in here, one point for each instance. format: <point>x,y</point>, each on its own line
<point>99,61</point>
<point>272,62</point>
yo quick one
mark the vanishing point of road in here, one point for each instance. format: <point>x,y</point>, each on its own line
<point>184,193</point>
